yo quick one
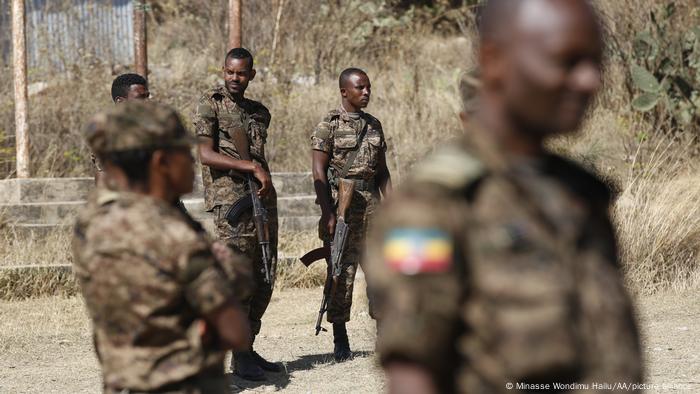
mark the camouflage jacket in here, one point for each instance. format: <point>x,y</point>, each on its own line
<point>216,116</point>
<point>489,270</point>
<point>148,277</point>
<point>337,135</point>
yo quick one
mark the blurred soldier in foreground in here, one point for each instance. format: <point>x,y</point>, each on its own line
<point>228,169</point>
<point>125,87</point>
<point>348,144</point>
<point>496,267</point>
<point>163,307</point>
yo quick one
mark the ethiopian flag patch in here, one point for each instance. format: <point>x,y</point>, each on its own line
<point>418,250</point>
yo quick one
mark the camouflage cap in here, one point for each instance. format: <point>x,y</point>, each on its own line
<point>137,125</point>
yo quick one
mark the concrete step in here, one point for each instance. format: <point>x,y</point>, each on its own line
<point>295,224</point>
<point>41,212</point>
<point>42,280</point>
<point>34,190</point>
<point>66,211</point>
<point>16,191</point>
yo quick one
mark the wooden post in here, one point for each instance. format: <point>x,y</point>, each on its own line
<point>140,38</point>
<point>19,57</point>
<point>234,24</point>
<point>275,34</point>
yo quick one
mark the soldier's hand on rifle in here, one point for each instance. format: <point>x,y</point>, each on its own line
<point>327,222</point>
<point>264,178</point>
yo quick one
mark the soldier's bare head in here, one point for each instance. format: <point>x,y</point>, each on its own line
<point>129,87</point>
<point>238,71</point>
<point>540,62</point>
<point>355,89</point>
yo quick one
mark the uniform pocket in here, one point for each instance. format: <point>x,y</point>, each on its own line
<point>345,141</point>
<point>374,149</point>
<point>526,308</point>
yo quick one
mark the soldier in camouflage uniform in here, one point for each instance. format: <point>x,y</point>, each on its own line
<point>164,308</point>
<point>495,267</point>
<point>221,111</point>
<point>350,144</point>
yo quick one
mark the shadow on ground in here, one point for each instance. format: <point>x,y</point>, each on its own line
<point>282,379</point>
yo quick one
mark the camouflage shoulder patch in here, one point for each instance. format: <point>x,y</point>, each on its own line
<point>412,251</point>
<point>205,110</point>
<point>451,167</point>
<point>322,131</point>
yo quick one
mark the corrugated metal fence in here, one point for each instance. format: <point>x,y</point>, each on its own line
<point>65,32</point>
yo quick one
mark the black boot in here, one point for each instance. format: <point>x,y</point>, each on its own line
<point>245,367</point>
<point>341,350</point>
<point>264,364</point>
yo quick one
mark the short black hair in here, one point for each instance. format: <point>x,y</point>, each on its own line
<point>133,162</point>
<point>345,75</point>
<point>240,53</point>
<point>122,83</point>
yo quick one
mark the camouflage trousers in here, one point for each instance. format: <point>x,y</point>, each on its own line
<point>359,215</point>
<point>242,238</point>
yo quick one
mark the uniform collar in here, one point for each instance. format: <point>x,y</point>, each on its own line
<point>344,114</point>
<point>224,92</point>
<point>478,140</point>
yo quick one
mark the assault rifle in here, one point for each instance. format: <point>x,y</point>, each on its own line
<point>262,228</point>
<point>333,253</point>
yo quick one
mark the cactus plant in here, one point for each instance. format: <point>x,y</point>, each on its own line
<point>665,68</point>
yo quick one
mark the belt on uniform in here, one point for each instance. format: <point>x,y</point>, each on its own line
<point>364,185</point>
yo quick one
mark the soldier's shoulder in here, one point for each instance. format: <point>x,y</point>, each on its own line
<point>256,106</point>
<point>372,120</point>
<point>258,110</point>
<point>147,221</point>
<point>331,115</point>
<point>216,93</point>
<point>209,102</point>
<point>582,180</point>
<point>451,168</point>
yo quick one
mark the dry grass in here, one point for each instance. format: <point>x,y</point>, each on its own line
<point>658,220</point>
<point>292,273</point>
<point>44,248</point>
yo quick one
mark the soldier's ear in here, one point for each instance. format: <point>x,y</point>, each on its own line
<point>119,99</point>
<point>343,92</point>
<point>252,74</point>
<point>159,159</point>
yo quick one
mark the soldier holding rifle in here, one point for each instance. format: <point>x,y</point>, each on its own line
<point>238,189</point>
<point>348,145</point>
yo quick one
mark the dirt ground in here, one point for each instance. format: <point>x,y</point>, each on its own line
<point>46,347</point>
